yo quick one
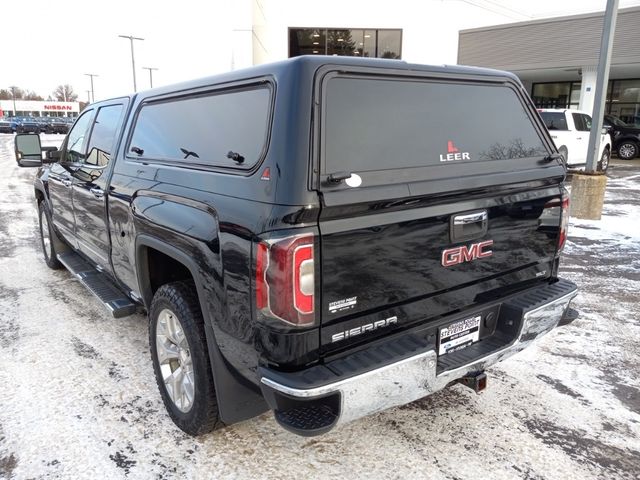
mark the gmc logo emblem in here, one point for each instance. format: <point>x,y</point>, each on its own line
<point>457,255</point>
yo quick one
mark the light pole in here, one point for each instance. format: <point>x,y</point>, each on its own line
<point>133,60</point>
<point>13,95</point>
<point>151,69</point>
<point>91,75</point>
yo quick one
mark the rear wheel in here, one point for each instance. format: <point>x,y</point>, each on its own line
<point>603,164</point>
<point>564,152</point>
<point>628,150</point>
<point>46,235</point>
<point>180,358</point>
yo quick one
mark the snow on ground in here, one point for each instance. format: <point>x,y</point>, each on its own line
<point>79,399</point>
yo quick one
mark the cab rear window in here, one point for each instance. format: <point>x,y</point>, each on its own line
<point>554,120</point>
<point>372,124</point>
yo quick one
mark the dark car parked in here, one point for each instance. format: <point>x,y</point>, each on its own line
<point>324,237</point>
<point>28,125</point>
<point>626,138</point>
<point>7,126</point>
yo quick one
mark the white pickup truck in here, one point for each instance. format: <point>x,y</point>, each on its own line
<point>570,132</point>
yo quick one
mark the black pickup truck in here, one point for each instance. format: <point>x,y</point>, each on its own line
<point>322,237</point>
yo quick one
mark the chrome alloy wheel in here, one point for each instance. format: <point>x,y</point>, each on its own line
<point>627,151</point>
<point>46,237</point>
<point>174,358</point>
<point>604,161</point>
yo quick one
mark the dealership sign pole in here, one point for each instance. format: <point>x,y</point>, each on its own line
<point>602,79</point>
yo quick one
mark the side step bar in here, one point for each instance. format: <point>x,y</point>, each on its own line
<point>97,283</point>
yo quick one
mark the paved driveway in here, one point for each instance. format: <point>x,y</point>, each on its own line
<point>78,398</point>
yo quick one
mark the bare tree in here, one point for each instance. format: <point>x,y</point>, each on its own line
<point>5,94</point>
<point>64,93</point>
<point>31,95</point>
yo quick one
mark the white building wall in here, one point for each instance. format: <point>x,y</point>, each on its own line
<point>426,34</point>
<point>588,88</point>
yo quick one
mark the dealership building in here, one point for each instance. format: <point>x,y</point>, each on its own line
<point>557,59</point>
<point>32,108</point>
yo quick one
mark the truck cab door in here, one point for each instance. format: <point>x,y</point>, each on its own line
<point>60,180</point>
<point>90,186</point>
<point>582,126</point>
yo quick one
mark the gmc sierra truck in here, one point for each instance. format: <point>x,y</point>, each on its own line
<point>324,237</point>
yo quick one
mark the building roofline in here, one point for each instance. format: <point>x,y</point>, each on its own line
<point>539,21</point>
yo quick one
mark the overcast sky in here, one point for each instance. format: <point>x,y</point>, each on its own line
<point>47,43</point>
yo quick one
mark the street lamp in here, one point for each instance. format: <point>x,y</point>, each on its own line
<point>13,95</point>
<point>151,69</point>
<point>133,60</point>
<point>91,75</point>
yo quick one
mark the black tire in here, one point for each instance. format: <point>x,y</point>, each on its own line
<point>628,150</point>
<point>181,299</point>
<point>48,248</point>
<point>603,164</point>
<point>564,152</point>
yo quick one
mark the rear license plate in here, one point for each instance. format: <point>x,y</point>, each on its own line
<point>459,335</point>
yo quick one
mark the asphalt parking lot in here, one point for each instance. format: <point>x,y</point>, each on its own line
<point>79,398</point>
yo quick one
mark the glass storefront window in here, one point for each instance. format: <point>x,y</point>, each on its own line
<point>552,95</point>
<point>623,97</point>
<point>389,42</point>
<point>624,100</point>
<point>308,41</point>
<point>345,42</point>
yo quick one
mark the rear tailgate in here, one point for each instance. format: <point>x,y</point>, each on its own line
<point>453,200</point>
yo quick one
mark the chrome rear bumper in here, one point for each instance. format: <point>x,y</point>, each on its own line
<point>415,377</point>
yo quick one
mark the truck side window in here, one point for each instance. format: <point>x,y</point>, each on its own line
<point>103,135</point>
<point>75,150</point>
<point>582,121</point>
<point>227,129</point>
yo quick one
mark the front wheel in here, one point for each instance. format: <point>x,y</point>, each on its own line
<point>180,358</point>
<point>46,236</point>
<point>603,164</point>
<point>628,150</point>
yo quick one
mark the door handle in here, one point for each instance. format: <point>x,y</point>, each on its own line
<point>66,182</point>
<point>476,217</point>
<point>579,138</point>
<point>97,192</point>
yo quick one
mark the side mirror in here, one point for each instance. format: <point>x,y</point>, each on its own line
<point>28,150</point>
<point>51,155</point>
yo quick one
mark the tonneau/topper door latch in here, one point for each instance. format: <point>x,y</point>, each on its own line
<point>468,226</point>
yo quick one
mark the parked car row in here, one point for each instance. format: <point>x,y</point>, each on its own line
<point>35,124</point>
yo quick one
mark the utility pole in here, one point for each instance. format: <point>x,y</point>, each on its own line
<point>13,95</point>
<point>133,59</point>
<point>151,69</point>
<point>602,80</point>
<point>588,188</point>
<point>91,75</point>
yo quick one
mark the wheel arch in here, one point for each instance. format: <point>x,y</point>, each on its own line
<point>237,399</point>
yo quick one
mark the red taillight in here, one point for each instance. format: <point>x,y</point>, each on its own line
<point>564,222</point>
<point>262,263</point>
<point>285,280</point>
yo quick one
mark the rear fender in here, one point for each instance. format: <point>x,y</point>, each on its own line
<point>237,400</point>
